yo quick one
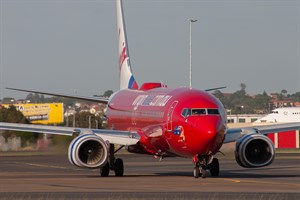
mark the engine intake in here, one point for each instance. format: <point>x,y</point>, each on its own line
<point>254,150</point>
<point>88,151</point>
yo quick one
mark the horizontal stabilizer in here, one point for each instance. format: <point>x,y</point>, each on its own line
<point>217,88</point>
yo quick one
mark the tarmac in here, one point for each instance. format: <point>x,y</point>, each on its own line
<point>53,177</point>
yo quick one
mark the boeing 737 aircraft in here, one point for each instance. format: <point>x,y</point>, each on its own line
<point>281,115</point>
<point>164,122</point>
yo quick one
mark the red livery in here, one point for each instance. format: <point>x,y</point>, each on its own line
<point>160,121</point>
<point>155,114</point>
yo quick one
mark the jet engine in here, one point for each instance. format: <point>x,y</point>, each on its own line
<point>254,150</point>
<point>88,151</point>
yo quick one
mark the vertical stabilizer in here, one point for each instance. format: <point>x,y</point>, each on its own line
<point>127,81</point>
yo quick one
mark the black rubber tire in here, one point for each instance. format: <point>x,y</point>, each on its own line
<point>104,171</point>
<point>119,167</point>
<point>214,167</point>
<point>196,172</point>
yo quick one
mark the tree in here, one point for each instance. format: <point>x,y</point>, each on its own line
<point>8,100</point>
<point>29,97</point>
<point>107,93</point>
<point>283,92</point>
<point>243,86</point>
<point>12,115</point>
<point>218,94</point>
<point>262,101</point>
<point>295,97</point>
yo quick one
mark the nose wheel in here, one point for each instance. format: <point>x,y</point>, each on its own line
<point>204,163</point>
<point>196,172</point>
<point>214,167</point>
<point>199,171</point>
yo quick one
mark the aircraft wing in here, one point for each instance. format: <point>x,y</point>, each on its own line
<point>235,133</point>
<point>93,99</point>
<point>113,136</point>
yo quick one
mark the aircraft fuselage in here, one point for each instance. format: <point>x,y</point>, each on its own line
<point>182,122</point>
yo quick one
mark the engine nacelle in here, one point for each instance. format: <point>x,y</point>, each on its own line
<point>88,151</point>
<point>254,150</point>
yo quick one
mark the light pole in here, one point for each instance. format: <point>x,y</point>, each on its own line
<point>191,21</point>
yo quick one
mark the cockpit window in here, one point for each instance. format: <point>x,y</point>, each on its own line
<point>186,112</point>
<point>199,111</point>
<point>213,111</point>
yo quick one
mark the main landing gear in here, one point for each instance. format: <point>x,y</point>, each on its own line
<point>203,163</point>
<point>115,164</point>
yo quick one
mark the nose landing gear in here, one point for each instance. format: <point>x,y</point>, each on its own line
<point>199,171</point>
<point>204,163</point>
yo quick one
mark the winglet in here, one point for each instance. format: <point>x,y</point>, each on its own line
<point>127,81</point>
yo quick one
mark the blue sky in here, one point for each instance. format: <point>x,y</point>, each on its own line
<point>71,45</point>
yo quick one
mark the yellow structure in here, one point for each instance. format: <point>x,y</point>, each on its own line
<point>41,113</point>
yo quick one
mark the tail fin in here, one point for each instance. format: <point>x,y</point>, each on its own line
<point>127,81</point>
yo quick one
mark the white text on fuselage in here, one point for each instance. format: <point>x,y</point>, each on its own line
<point>151,100</point>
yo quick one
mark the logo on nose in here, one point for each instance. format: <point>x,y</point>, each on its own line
<point>178,130</point>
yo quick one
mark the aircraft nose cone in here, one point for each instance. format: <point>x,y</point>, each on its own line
<point>205,134</point>
<point>209,127</point>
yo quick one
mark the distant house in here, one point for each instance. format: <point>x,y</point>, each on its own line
<point>282,103</point>
<point>297,104</point>
<point>274,96</point>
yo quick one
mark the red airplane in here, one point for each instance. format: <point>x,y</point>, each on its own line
<point>153,119</point>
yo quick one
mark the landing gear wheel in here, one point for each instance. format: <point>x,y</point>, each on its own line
<point>203,173</point>
<point>196,172</point>
<point>104,171</point>
<point>214,167</point>
<point>119,167</point>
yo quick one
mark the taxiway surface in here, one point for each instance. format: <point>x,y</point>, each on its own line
<point>52,176</point>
